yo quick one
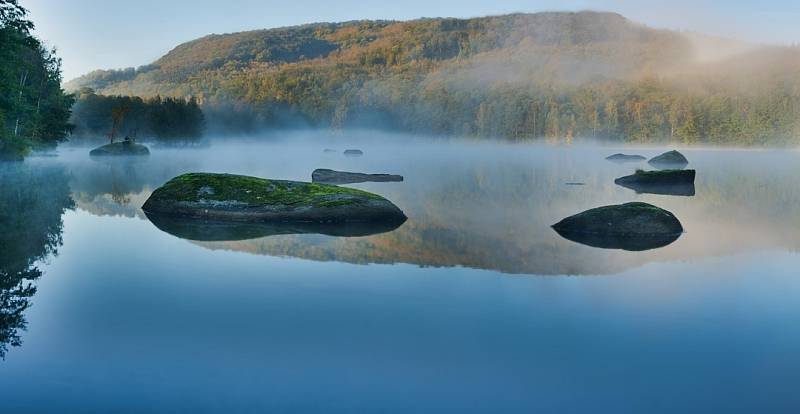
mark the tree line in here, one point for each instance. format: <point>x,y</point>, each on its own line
<point>168,119</point>
<point>34,110</point>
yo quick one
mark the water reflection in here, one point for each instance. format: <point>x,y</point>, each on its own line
<point>201,230</point>
<point>479,206</point>
<point>32,200</point>
<point>634,244</point>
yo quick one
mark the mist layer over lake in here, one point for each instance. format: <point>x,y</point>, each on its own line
<point>474,304</point>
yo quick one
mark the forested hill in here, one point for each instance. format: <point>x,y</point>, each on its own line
<point>555,76</point>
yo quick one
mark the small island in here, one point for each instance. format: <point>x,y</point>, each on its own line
<point>631,226</point>
<point>238,198</point>
<point>664,182</point>
<point>120,148</point>
<point>326,176</point>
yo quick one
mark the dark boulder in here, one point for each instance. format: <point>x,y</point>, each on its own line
<point>631,226</point>
<point>664,182</point>
<point>353,153</point>
<point>327,176</point>
<point>672,159</point>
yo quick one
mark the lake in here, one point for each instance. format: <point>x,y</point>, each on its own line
<point>473,305</point>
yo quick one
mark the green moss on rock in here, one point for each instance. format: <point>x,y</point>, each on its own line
<point>238,197</point>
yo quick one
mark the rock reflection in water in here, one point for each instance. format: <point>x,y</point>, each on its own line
<point>202,230</point>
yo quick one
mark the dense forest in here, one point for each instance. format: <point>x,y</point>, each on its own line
<point>34,110</point>
<point>553,76</point>
<point>167,119</point>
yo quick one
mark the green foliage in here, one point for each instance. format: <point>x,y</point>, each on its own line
<point>34,110</point>
<point>554,76</point>
<point>168,119</point>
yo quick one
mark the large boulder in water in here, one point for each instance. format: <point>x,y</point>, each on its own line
<point>630,226</point>
<point>672,159</point>
<point>665,182</point>
<point>120,148</point>
<point>228,197</point>
<point>326,176</point>
<point>620,158</point>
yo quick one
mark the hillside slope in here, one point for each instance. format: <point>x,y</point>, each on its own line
<point>554,75</point>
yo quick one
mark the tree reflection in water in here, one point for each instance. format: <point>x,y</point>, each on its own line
<point>32,201</point>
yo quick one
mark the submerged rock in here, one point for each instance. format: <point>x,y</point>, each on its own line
<point>238,198</point>
<point>625,158</point>
<point>353,152</point>
<point>120,148</point>
<point>671,159</point>
<point>630,226</point>
<point>326,176</point>
<point>665,182</point>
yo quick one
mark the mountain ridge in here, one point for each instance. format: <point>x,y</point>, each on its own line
<point>556,75</point>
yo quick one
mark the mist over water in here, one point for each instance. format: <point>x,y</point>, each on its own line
<point>472,305</point>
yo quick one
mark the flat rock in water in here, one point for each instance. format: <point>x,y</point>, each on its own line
<point>327,176</point>
<point>353,152</point>
<point>625,158</point>
<point>329,150</point>
<point>238,198</point>
<point>631,226</point>
<point>672,159</point>
<point>664,182</point>
<point>120,148</point>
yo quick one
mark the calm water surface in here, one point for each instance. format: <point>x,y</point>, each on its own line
<point>473,305</point>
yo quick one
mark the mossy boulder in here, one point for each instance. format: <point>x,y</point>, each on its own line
<point>630,226</point>
<point>672,159</point>
<point>228,197</point>
<point>326,176</point>
<point>120,148</point>
<point>625,158</point>
<point>665,182</point>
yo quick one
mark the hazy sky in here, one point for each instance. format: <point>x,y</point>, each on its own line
<point>92,34</point>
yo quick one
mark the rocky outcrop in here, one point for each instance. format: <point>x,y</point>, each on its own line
<point>672,159</point>
<point>664,182</point>
<point>630,226</point>
<point>237,198</point>
<point>327,176</point>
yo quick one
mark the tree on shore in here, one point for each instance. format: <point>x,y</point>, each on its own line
<point>34,110</point>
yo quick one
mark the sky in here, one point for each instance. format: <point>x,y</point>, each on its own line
<point>106,34</point>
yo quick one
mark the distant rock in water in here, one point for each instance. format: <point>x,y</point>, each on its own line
<point>342,177</point>
<point>328,150</point>
<point>664,182</point>
<point>630,226</point>
<point>620,158</point>
<point>353,152</point>
<point>120,148</point>
<point>238,198</point>
<point>672,159</point>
